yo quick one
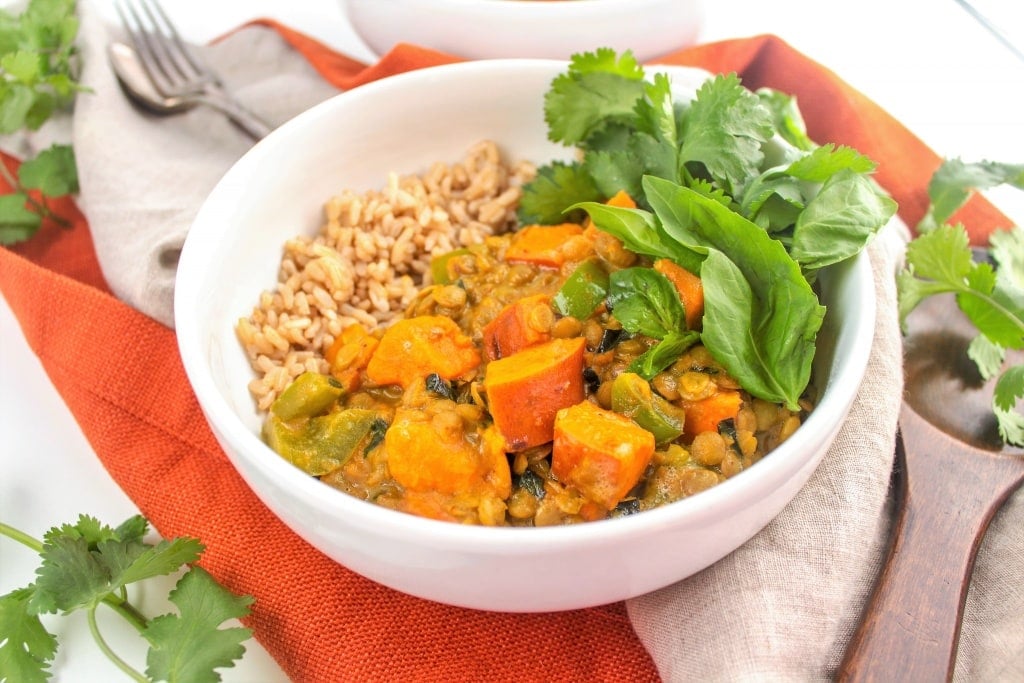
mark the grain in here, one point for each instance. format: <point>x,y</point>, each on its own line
<point>369,258</point>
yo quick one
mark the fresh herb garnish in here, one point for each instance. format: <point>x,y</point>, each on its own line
<point>939,261</point>
<point>729,186</point>
<point>38,71</point>
<point>645,302</point>
<point>88,564</point>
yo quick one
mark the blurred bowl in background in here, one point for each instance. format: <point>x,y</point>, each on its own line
<point>550,29</point>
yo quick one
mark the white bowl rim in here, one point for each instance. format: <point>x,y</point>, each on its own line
<point>471,538</point>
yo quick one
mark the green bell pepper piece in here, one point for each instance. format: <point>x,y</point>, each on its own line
<point>319,445</point>
<point>632,397</point>
<point>583,291</point>
<point>439,266</point>
<point>310,394</point>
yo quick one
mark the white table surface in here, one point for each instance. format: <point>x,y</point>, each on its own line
<point>935,69</point>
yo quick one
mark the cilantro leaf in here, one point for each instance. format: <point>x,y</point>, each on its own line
<point>189,646</point>
<point>26,647</point>
<point>84,562</point>
<point>88,563</point>
<point>725,128</point>
<point>955,180</point>
<point>38,77</point>
<point>1009,390</point>
<point>597,87</point>
<point>556,186</point>
<point>614,170</point>
<point>17,222</point>
<point>1007,249</point>
<point>52,172</point>
<point>132,561</point>
<point>825,161</point>
<point>987,356</point>
<point>940,261</point>
<point>788,120</point>
<point>70,576</point>
<point>132,529</point>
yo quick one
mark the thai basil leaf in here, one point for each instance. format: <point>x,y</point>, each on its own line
<point>645,302</point>
<point>837,223</point>
<point>640,232</point>
<point>761,316</point>
<point>663,354</point>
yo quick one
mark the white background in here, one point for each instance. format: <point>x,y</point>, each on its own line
<point>929,64</point>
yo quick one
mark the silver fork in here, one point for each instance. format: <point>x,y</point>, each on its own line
<point>174,70</point>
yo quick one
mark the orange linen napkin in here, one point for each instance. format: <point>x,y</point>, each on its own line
<point>119,373</point>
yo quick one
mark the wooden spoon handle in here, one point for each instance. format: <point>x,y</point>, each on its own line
<point>947,494</point>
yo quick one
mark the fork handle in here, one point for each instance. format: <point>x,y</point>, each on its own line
<point>947,497</point>
<point>249,123</point>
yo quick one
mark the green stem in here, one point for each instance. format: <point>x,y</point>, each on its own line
<point>111,655</point>
<point>959,289</point>
<point>20,536</point>
<point>127,611</point>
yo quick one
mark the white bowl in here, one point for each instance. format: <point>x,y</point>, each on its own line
<point>399,124</point>
<point>486,29</point>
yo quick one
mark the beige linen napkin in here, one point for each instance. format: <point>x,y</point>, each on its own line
<point>784,606</point>
<point>144,177</point>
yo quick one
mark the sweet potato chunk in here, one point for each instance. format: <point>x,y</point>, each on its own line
<point>542,244</point>
<point>423,458</point>
<point>521,324</point>
<point>601,453</point>
<point>413,348</point>
<point>526,389</point>
<point>705,414</point>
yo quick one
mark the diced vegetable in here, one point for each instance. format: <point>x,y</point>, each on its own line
<point>542,244</point>
<point>601,453</point>
<point>424,458</point>
<point>439,270</point>
<point>526,390</point>
<point>349,354</point>
<point>690,288</point>
<point>583,291</point>
<point>521,324</point>
<point>321,444</point>
<point>622,200</point>
<point>308,395</point>
<point>705,415</point>
<point>413,348</point>
<point>632,397</point>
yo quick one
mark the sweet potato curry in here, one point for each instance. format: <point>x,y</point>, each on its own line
<point>559,372</point>
<point>510,393</point>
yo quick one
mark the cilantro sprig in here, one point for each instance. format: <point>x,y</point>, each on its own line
<point>38,72</point>
<point>88,564</point>
<point>940,261</point>
<point>729,186</point>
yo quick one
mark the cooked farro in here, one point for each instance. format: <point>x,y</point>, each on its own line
<point>369,258</point>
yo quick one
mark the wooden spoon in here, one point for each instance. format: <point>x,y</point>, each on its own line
<point>953,473</point>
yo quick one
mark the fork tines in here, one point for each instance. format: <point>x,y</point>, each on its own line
<point>172,67</point>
